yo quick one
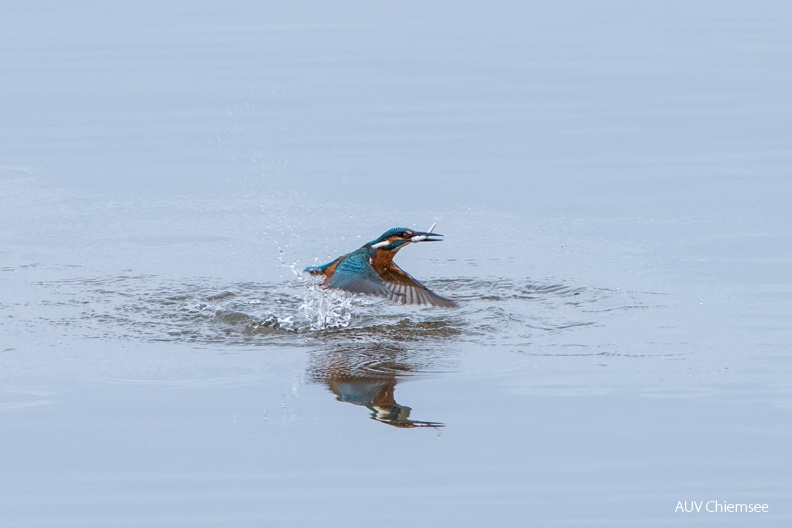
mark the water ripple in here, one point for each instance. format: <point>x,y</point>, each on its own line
<point>493,311</point>
<point>12,398</point>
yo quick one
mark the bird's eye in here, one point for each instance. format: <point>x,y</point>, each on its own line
<point>407,234</point>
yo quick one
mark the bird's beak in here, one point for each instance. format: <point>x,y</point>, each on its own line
<point>426,237</point>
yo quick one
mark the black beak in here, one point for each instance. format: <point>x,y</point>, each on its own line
<point>425,236</point>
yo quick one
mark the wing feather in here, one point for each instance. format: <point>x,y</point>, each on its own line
<point>405,289</point>
<point>355,274</point>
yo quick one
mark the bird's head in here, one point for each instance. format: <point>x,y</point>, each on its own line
<point>398,237</point>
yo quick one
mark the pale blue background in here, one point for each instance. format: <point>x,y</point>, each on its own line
<point>613,180</point>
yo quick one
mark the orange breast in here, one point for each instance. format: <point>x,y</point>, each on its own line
<point>382,261</point>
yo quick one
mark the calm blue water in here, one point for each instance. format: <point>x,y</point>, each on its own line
<point>613,184</point>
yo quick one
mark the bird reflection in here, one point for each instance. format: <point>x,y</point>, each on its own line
<point>367,375</point>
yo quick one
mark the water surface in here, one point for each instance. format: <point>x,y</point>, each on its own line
<point>612,181</point>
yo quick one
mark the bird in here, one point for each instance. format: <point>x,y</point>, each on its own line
<point>370,270</point>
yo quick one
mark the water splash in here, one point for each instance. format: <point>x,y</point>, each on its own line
<point>320,309</point>
<point>325,309</point>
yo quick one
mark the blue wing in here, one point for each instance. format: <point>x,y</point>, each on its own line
<point>355,274</point>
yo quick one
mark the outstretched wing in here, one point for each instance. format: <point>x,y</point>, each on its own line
<point>355,274</point>
<point>406,290</point>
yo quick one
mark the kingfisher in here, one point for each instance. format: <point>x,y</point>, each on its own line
<point>371,270</point>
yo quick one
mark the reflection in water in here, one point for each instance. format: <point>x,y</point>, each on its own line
<point>377,395</point>
<point>367,375</point>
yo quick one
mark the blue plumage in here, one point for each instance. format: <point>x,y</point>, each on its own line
<point>355,274</point>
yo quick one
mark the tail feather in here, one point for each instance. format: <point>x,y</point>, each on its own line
<point>314,270</point>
